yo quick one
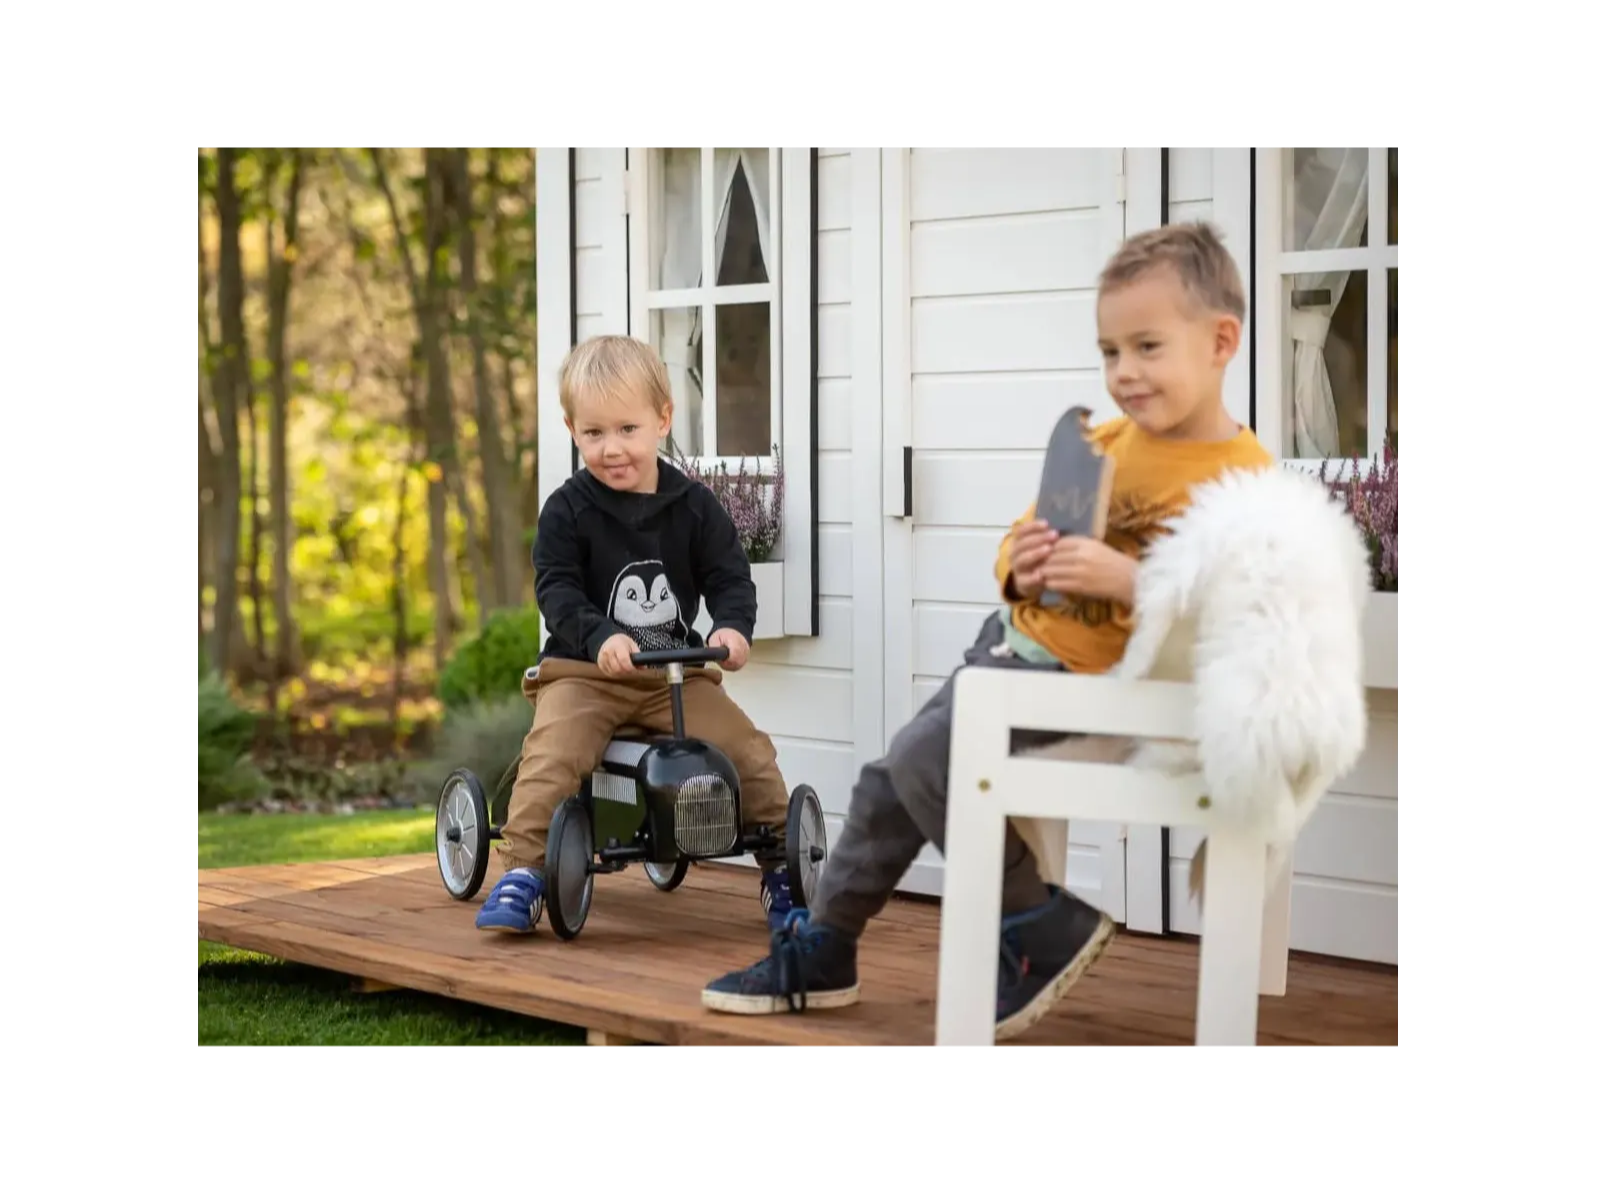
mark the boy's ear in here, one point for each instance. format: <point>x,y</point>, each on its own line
<point>1227,338</point>
<point>665,420</point>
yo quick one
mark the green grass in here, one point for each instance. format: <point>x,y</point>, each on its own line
<point>250,999</point>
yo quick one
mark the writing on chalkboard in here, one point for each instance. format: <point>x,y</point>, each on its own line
<point>1076,479</point>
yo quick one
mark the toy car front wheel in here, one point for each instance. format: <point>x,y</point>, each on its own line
<point>666,876</point>
<point>806,844</point>
<point>462,834</point>
<point>568,867</point>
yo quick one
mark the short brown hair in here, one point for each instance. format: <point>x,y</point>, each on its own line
<point>1206,269</point>
<point>613,367</point>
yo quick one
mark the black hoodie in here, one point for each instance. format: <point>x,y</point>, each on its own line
<point>611,563</point>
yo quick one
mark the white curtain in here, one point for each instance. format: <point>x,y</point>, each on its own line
<point>681,264</point>
<point>1330,189</point>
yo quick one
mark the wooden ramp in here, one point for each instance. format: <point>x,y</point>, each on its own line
<point>637,968</point>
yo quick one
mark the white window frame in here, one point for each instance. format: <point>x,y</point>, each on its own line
<point>1276,266</point>
<point>643,187</point>
<point>790,292</point>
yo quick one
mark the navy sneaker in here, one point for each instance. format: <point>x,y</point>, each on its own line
<point>1042,953</point>
<point>776,895</point>
<point>810,966</point>
<point>515,904</point>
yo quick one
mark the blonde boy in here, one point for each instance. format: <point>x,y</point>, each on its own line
<point>1170,310</point>
<point>626,549</point>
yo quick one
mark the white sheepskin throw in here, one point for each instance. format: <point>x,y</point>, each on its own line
<point>1257,598</point>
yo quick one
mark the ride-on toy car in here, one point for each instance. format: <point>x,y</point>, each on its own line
<point>663,801</point>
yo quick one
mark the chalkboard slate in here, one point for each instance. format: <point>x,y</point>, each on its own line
<point>1076,478</point>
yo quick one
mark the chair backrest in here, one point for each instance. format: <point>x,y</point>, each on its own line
<point>1256,596</point>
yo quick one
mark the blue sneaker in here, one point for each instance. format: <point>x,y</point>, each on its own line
<point>810,966</point>
<point>1041,955</point>
<point>776,895</point>
<point>515,904</point>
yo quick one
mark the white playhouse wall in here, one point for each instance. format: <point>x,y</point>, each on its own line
<point>955,314</point>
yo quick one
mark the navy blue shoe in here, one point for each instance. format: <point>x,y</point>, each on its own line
<point>810,966</point>
<point>515,904</point>
<point>776,895</point>
<point>1042,953</point>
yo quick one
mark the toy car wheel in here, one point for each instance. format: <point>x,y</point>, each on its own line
<point>462,834</point>
<point>568,867</point>
<point>666,876</point>
<point>806,844</point>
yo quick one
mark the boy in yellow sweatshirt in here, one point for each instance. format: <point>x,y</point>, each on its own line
<point>1170,311</point>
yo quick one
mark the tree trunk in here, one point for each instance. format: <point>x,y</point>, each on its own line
<point>257,663</point>
<point>232,379</point>
<point>504,517</point>
<point>401,622</point>
<point>208,451</point>
<point>443,443</point>
<point>280,279</point>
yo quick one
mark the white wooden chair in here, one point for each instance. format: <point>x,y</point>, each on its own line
<point>1244,945</point>
<point>1239,701</point>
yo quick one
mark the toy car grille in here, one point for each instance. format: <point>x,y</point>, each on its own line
<point>706,822</point>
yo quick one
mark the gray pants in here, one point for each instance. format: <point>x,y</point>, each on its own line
<point>901,802</point>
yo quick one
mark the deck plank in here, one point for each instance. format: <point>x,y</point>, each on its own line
<point>635,972</point>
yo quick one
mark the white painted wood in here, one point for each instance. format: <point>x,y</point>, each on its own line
<point>834,483</point>
<point>835,330</point>
<point>1016,410</point>
<point>834,276</point>
<point>952,183</point>
<point>1144,183</point>
<point>865,369</point>
<point>897,266</point>
<point>768,589</point>
<point>898,436</point>
<point>1006,333</point>
<point>1380,641</point>
<point>806,703</point>
<point>794,395</point>
<point>831,647</point>
<point>955,564</point>
<point>1277,933</point>
<point>1272,381</point>
<point>554,322</point>
<point>837,561</point>
<point>975,489</point>
<point>1230,171</point>
<point>986,785</point>
<point>1231,955</point>
<point>834,197</point>
<point>836,422</point>
<point>1039,251</point>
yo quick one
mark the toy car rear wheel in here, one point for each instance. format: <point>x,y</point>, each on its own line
<point>462,834</point>
<point>666,876</point>
<point>806,844</point>
<point>568,872</point>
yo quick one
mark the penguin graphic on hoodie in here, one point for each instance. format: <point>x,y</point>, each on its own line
<point>643,605</point>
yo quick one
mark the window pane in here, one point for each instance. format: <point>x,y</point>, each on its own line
<point>1327,320</point>
<point>677,334</point>
<point>1391,357</point>
<point>1327,198</point>
<point>743,220</point>
<point>678,250</point>
<point>1391,201</point>
<point>743,380</point>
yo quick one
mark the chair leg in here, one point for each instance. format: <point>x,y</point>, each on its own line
<point>1277,924</point>
<point>973,877</point>
<point>1233,934</point>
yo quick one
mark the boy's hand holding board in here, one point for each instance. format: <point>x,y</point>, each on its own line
<point>1063,551</point>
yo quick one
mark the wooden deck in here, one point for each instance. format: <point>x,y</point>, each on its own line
<point>636,970</point>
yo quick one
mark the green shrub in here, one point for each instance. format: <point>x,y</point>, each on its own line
<point>484,736</point>
<point>490,665</point>
<point>227,773</point>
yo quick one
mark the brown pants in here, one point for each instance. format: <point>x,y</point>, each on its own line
<point>578,710</point>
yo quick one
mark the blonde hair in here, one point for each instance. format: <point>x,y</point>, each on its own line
<point>613,367</point>
<point>1207,271</point>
